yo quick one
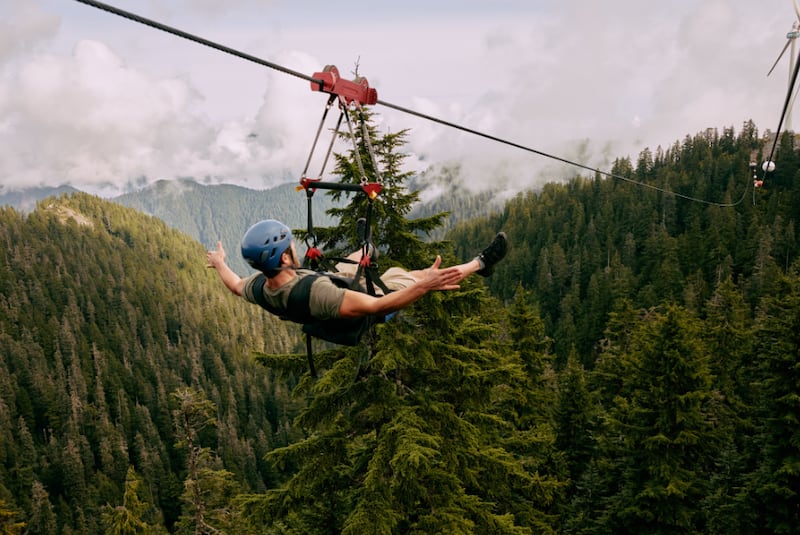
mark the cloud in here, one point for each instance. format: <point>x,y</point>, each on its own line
<point>124,105</point>
<point>23,26</point>
<point>92,121</point>
<point>89,119</point>
<point>592,85</point>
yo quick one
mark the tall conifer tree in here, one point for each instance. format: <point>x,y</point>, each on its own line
<point>772,493</point>
<point>659,441</point>
<point>409,432</point>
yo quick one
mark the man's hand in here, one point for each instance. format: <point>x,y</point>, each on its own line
<point>215,259</point>
<point>441,279</point>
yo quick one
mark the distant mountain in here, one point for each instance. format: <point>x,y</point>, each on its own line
<point>25,200</point>
<point>223,212</point>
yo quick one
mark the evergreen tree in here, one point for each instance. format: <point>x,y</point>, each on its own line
<point>411,432</point>
<point>527,333</point>
<point>575,418</point>
<point>208,490</point>
<point>42,519</point>
<point>656,449</point>
<point>9,525</point>
<point>398,238</point>
<point>729,335</point>
<point>771,494</point>
<point>128,518</point>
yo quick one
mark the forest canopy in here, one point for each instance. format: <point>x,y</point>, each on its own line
<point>631,367</point>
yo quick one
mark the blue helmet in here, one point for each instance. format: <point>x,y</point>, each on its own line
<point>264,243</point>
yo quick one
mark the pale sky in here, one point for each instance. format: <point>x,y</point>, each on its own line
<point>93,100</point>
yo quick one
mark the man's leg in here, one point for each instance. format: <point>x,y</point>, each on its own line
<point>483,264</point>
<point>348,269</point>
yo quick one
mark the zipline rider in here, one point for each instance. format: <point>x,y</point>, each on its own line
<point>268,246</point>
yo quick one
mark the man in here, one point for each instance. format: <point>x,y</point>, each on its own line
<point>268,246</point>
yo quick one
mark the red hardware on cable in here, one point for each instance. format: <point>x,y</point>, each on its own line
<point>357,90</point>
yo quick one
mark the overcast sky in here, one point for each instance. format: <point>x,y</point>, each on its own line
<point>97,101</point>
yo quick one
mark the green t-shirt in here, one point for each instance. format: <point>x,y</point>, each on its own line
<point>325,298</point>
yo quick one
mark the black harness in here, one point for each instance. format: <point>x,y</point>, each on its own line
<point>341,331</point>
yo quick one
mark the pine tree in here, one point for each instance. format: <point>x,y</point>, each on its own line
<point>42,519</point>
<point>128,518</point>
<point>729,334</point>
<point>400,238</point>
<point>771,493</point>
<point>9,525</point>
<point>527,332</point>
<point>575,417</point>
<point>658,443</point>
<point>208,490</point>
<point>411,432</point>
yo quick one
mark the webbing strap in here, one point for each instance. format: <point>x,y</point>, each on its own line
<point>258,294</point>
<point>310,354</point>
<point>299,307</point>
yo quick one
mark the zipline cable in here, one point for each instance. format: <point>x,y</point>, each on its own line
<point>789,97</point>
<point>285,70</point>
<point>558,158</point>
<point>211,44</point>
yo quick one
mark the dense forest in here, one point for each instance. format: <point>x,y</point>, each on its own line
<point>631,367</point>
<point>107,319</point>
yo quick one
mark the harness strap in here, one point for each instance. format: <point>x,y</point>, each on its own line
<point>299,306</point>
<point>258,294</point>
<point>343,331</point>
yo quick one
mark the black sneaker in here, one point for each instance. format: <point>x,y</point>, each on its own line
<point>493,254</point>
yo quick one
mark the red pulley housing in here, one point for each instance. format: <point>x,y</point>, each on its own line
<point>357,90</point>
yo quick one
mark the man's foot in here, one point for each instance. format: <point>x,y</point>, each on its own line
<point>492,254</point>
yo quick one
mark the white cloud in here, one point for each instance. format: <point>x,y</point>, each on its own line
<point>23,26</point>
<point>92,99</point>
<point>89,119</point>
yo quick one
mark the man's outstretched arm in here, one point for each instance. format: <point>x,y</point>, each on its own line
<point>357,304</point>
<point>216,260</point>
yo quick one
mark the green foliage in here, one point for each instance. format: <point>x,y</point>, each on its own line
<point>418,431</point>
<point>103,312</point>
<point>208,490</point>
<point>659,439</point>
<point>579,247</point>
<point>127,519</point>
<point>603,258</point>
<point>9,525</point>
<point>774,485</point>
<point>631,367</point>
<point>396,236</point>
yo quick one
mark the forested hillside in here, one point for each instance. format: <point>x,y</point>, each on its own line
<point>631,367</point>
<point>581,247</point>
<point>672,325</point>
<point>224,212</point>
<point>109,325</point>
<point>26,200</point>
